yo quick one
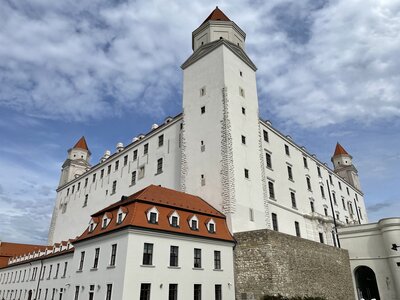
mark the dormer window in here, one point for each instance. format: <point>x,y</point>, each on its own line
<point>119,220</point>
<point>193,223</point>
<point>92,225</point>
<point>106,220</point>
<point>152,216</point>
<point>121,214</point>
<point>105,223</point>
<point>174,219</point>
<point>211,226</point>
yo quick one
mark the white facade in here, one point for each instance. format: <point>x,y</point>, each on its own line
<point>217,149</point>
<point>127,274</point>
<point>370,247</point>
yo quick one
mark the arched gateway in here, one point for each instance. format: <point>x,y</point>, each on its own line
<point>367,288</point>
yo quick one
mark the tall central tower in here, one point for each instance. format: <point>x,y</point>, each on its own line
<point>221,150</point>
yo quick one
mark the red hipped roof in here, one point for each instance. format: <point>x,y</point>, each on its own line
<point>339,150</point>
<point>216,15</point>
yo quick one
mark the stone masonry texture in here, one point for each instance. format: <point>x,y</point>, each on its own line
<point>270,263</point>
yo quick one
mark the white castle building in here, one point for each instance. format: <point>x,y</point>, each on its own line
<point>220,150</point>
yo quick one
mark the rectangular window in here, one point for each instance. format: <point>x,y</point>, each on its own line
<point>173,291</point>
<point>290,172</point>
<point>174,221</point>
<point>109,169</point>
<point>340,185</point>
<point>197,258</point>
<point>218,292</point>
<point>65,269</point>
<point>160,140</point>
<point>148,254</point>
<point>265,135</point>
<point>308,183</point>
<point>243,140</point>
<point>217,260</point>
<point>321,237</point>
<point>330,179</point>
<point>202,180</point>
<point>344,205</point>
<point>347,189</point>
<point>293,198</point>
<point>94,177</point>
<point>274,221</point>
<point>173,256</point>
<point>67,191</point>
<point>113,254</point>
<point>268,160</point>
<point>246,173</point>
<point>319,171</point>
<point>159,165</point>
<point>145,291</point>
<point>145,149</point>
<point>271,190</point>
<point>114,187</point>
<point>79,186</point>
<point>91,292</point>
<point>73,189</point>
<point>86,182</point>
<point>305,163</point>
<point>325,211</point>
<point>197,292</point>
<point>297,228</point>
<point>125,160</point>
<point>53,294</point>
<point>81,261</point>
<point>133,178</point>
<point>322,191</point>
<point>203,109</point>
<point>243,111</point>
<point>135,155</point>
<point>57,269</point>
<point>116,165</point>
<point>51,267</point>
<point>153,218</point>
<point>109,291</point>
<point>101,174</point>
<point>193,225</point>
<point>202,91</point>
<point>96,258</point>
<point>241,92</point>
<point>251,214</point>
<point>287,150</point>
<point>76,292</point>
<point>86,200</point>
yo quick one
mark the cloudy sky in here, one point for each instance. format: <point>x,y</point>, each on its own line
<point>328,71</point>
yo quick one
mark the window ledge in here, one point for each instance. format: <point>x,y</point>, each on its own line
<point>112,193</point>
<point>148,266</point>
<point>132,184</point>
<point>158,173</point>
<point>218,270</point>
<point>272,198</point>
<point>270,168</point>
<point>111,267</point>
<point>93,269</point>
<point>173,267</point>
<point>63,276</point>
<point>295,207</point>
<point>198,269</point>
<point>79,271</point>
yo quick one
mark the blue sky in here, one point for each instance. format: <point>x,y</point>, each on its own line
<point>328,71</point>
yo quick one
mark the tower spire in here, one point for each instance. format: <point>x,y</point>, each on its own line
<point>339,150</point>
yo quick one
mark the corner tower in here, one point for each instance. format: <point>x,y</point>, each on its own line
<point>221,144</point>
<point>343,166</point>
<point>76,163</point>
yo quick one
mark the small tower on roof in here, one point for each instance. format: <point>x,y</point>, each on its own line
<point>217,26</point>
<point>343,166</point>
<point>76,163</point>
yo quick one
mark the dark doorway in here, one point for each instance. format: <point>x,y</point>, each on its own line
<point>30,295</point>
<point>367,287</point>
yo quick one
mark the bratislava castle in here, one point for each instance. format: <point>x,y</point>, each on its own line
<point>219,149</point>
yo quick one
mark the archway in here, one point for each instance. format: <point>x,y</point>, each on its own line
<point>30,295</point>
<point>367,288</point>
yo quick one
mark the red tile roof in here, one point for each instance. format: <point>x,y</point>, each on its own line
<point>8,250</point>
<point>81,144</point>
<point>339,150</point>
<point>216,15</point>
<point>166,201</point>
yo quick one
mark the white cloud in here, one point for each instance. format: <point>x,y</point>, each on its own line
<point>337,60</point>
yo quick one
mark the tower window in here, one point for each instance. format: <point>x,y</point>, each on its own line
<point>319,171</point>
<point>251,214</point>
<point>321,237</point>
<point>246,173</point>
<point>305,163</point>
<point>141,172</point>
<point>268,160</point>
<point>312,206</point>
<point>297,228</point>
<point>322,191</point>
<point>243,111</point>
<point>202,146</point>
<point>243,140</point>
<point>135,155</point>
<point>325,211</point>
<point>101,173</point>
<point>203,91</point>
<point>133,179</point>
<point>145,149</point>
<point>114,187</point>
<point>290,173</point>
<point>241,92</point>
<point>109,169</point>
<point>308,183</point>
<point>94,177</point>
<point>86,200</point>
<point>159,166</point>
<point>116,165</point>
<point>287,150</point>
<point>293,198</point>
<point>202,180</point>
<point>125,160</point>
<point>160,140</point>
<point>203,109</point>
<point>265,134</point>
<point>241,73</point>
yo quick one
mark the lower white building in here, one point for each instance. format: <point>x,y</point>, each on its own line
<point>155,244</point>
<point>374,258</point>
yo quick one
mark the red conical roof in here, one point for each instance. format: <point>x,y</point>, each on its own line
<point>339,150</point>
<point>81,144</point>
<point>216,15</point>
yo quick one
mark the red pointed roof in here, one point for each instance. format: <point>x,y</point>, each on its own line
<point>216,15</point>
<point>339,150</point>
<point>81,144</point>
